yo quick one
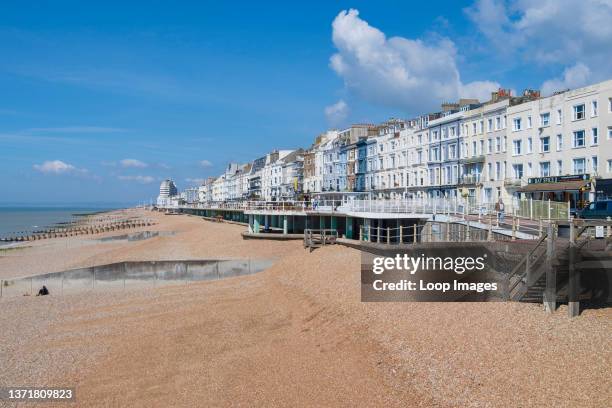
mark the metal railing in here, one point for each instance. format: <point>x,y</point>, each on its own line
<point>319,237</point>
<point>418,233</point>
<point>540,263</point>
<point>455,206</point>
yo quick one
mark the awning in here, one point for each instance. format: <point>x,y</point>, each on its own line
<point>574,185</point>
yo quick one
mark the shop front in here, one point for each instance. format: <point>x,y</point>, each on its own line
<point>603,188</point>
<point>576,189</point>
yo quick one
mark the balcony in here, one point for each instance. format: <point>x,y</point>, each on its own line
<point>473,159</point>
<point>512,182</point>
<point>468,179</point>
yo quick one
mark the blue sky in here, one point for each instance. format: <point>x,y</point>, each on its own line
<point>101,101</point>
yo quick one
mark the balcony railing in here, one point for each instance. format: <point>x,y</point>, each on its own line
<point>452,206</point>
<point>512,182</point>
<point>474,159</point>
<point>470,179</point>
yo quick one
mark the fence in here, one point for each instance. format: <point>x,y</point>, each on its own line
<point>319,237</point>
<point>537,273</point>
<point>123,275</point>
<point>458,206</point>
<point>430,232</point>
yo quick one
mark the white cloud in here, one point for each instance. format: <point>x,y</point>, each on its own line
<point>138,179</point>
<point>337,113</point>
<point>478,89</point>
<point>573,77</point>
<point>133,163</point>
<point>574,35</point>
<point>55,167</point>
<point>399,72</point>
<point>206,163</point>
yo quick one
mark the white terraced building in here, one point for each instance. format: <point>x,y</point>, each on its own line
<point>561,137</point>
<point>557,147</point>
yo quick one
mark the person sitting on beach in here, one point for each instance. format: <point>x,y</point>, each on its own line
<point>43,291</point>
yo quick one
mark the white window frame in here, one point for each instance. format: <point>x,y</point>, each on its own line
<point>542,144</point>
<point>542,168</point>
<point>517,147</point>
<point>575,139</point>
<point>576,113</point>
<point>574,168</point>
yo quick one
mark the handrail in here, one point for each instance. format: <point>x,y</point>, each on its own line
<point>584,226</point>
<point>523,262</point>
<point>524,209</point>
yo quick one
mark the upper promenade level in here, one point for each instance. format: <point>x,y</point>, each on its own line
<point>421,208</point>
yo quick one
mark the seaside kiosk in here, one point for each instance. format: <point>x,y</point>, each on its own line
<point>577,189</point>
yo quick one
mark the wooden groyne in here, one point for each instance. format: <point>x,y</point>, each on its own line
<point>81,229</point>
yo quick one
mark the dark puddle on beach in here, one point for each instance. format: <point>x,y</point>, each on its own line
<point>137,236</point>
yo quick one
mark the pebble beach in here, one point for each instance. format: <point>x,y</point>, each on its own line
<point>295,334</point>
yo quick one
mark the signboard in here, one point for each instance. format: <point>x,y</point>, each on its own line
<point>558,179</point>
<point>599,231</point>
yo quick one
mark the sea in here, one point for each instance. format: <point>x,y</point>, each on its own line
<point>17,221</point>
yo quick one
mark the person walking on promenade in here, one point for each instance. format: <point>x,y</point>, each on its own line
<point>500,210</point>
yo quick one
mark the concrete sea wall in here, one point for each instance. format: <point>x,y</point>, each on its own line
<point>125,275</point>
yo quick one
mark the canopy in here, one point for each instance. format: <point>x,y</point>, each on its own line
<point>573,185</point>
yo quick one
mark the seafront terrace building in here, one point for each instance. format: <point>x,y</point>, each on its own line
<point>557,147</point>
<point>272,175</point>
<point>417,150</point>
<point>292,175</point>
<point>445,143</point>
<point>483,150</point>
<point>559,138</point>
